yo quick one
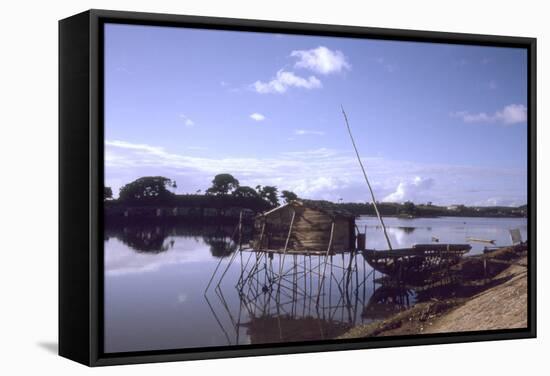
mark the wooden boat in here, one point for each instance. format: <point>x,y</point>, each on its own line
<point>477,240</point>
<point>417,262</point>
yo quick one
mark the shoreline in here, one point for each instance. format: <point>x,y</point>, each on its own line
<point>492,295</point>
<point>232,216</point>
<point>442,216</point>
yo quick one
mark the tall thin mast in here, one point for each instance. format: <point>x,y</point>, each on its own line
<point>367,180</point>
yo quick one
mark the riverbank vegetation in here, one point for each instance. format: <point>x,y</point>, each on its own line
<point>226,197</point>
<point>409,209</point>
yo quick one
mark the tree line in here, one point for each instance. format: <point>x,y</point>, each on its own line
<point>226,191</point>
<point>224,187</point>
<point>410,209</point>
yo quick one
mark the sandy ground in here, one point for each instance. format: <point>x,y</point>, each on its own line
<point>503,305</point>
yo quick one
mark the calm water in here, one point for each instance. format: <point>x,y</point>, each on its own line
<point>155,280</point>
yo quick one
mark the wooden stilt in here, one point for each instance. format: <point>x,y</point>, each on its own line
<point>325,261</point>
<point>286,243</point>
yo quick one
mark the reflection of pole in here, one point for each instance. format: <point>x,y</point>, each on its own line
<point>227,267</point>
<point>217,320</point>
<point>213,275</point>
<point>367,180</point>
<point>240,244</point>
<point>243,269</point>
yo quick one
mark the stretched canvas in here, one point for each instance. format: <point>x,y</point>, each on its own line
<point>269,187</point>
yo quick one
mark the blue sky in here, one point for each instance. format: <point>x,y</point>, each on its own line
<point>433,122</point>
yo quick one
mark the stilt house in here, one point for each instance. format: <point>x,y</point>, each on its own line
<point>305,227</point>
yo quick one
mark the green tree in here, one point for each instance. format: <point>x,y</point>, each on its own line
<point>409,208</point>
<point>246,192</point>
<point>269,194</point>
<point>223,184</point>
<point>147,188</point>
<point>107,193</point>
<point>289,196</point>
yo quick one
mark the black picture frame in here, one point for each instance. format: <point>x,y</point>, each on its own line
<point>81,182</point>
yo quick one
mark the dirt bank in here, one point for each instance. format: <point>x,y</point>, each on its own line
<point>503,306</point>
<point>492,294</point>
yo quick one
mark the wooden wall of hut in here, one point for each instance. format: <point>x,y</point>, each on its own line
<point>311,230</point>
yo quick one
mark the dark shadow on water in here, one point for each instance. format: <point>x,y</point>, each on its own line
<point>407,229</point>
<point>386,301</point>
<point>152,239</point>
<point>51,347</point>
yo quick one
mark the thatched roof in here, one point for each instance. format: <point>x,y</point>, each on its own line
<point>322,206</point>
<point>316,226</point>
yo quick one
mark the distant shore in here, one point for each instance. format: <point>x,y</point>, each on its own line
<point>489,298</point>
<point>228,209</point>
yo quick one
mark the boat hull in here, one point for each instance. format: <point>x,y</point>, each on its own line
<point>416,263</point>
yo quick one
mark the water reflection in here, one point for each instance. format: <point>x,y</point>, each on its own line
<point>143,239</point>
<point>288,299</point>
<point>221,245</point>
<point>155,277</point>
<point>407,232</point>
<point>222,239</point>
<point>285,328</point>
<point>407,229</point>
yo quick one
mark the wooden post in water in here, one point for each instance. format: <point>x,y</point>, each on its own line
<point>240,229</point>
<point>322,279</point>
<point>281,266</point>
<point>367,180</point>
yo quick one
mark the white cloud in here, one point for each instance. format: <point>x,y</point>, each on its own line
<point>410,190</point>
<point>318,174</point>
<point>321,60</point>
<point>154,150</point>
<point>284,80</point>
<point>511,114</point>
<point>122,260</point>
<point>389,67</point>
<point>320,184</point>
<point>501,201</point>
<point>314,153</point>
<point>257,116</point>
<point>194,147</point>
<point>187,121</point>
<point>304,132</point>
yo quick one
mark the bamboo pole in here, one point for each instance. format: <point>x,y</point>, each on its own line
<point>322,280</point>
<point>261,236</point>
<point>226,268</point>
<point>367,180</point>
<point>255,266</point>
<point>286,243</point>
<point>240,229</point>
